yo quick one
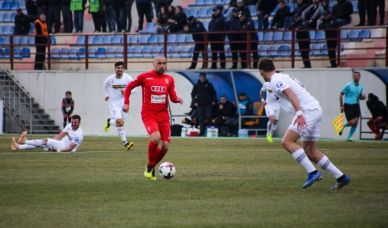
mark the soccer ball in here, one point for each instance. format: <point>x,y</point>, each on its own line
<point>167,170</point>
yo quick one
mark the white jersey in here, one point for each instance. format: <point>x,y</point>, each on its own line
<point>75,137</point>
<point>281,82</point>
<point>273,100</point>
<point>114,88</point>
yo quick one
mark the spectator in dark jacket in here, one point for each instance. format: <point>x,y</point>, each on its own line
<point>32,9</point>
<point>226,117</point>
<point>243,9</point>
<point>42,6</point>
<point>144,9</point>
<point>67,16</point>
<point>54,16</point>
<point>282,16</point>
<point>302,35</point>
<point>197,29</point>
<point>264,9</point>
<point>248,28</point>
<point>379,115</point>
<point>162,20</point>
<point>235,38</point>
<point>217,40</point>
<point>179,21</point>
<point>22,23</point>
<point>341,15</point>
<point>204,97</point>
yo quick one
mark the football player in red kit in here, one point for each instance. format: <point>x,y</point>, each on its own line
<point>157,88</point>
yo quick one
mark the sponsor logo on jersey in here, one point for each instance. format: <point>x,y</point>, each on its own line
<point>149,78</point>
<point>158,89</point>
<point>118,86</point>
<point>76,139</point>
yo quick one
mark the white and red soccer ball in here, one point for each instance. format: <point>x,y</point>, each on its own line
<point>167,170</point>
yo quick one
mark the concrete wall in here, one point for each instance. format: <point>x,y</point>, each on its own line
<point>48,88</point>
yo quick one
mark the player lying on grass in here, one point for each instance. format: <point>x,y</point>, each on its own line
<point>305,125</point>
<point>68,140</point>
<point>158,88</point>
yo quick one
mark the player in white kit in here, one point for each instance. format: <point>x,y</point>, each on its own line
<point>305,125</point>
<point>68,140</point>
<point>272,108</point>
<point>114,86</point>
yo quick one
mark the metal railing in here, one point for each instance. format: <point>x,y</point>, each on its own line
<point>136,52</point>
<point>17,101</point>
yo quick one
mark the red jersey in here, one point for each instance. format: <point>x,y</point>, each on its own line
<point>157,89</point>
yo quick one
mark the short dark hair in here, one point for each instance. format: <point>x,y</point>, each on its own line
<point>266,65</point>
<point>119,63</point>
<point>76,117</point>
<point>202,74</point>
<point>68,92</point>
<point>356,72</point>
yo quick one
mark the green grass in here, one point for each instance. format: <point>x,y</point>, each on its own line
<point>219,183</point>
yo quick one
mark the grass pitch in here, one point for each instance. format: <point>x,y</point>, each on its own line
<point>219,183</point>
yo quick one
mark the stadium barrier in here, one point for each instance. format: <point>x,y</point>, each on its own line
<point>88,50</point>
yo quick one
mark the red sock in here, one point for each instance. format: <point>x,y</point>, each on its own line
<point>152,154</point>
<point>160,155</point>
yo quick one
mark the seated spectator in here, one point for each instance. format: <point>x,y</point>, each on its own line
<point>282,16</point>
<point>379,115</point>
<point>22,23</point>
<point>162,20</point>
<point>179,21</point>
<point>326,14</point>
<point>243,9</point>
<point>264,9</point>
<point>159,4</point>
<point>245,107</point>
<point>226,117</point>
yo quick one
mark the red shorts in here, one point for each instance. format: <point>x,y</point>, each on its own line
<point>157,122</point>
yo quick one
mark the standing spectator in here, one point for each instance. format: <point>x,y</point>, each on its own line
<point>162,20</point>
<point>341,16</point>
<point>42,6</point>
<point>41,41</point>
<point>144,9</point>
<point>121,17</point>
<point>128,8</point>
<point>78,7</point>
<point>96,10</point>
<point>197,30</point>
<point>264,9</point>
<point>225,117</point>
<point>67,108</point>
<point>311,15</point>
<point>32,9</point>
<point>362,6</point>
<point>22,23</point>
<point>381,5</point>
<point>54,16</point>
<point>179,21</point>
<point>217,40</point>
<point>236,39</point>
<point>67,16</point>
<point>353,92</point>
<point>302,35</point>
<point>249,28</point>
<point>203,97</point>
<point>110,15</point>
<point>282,16</point>
<point>379,115</point>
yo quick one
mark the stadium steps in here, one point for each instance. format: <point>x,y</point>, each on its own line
<point>24,110</point>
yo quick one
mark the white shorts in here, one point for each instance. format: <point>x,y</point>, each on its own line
<point>116,111</point>
<point>54,145</point>
<point>311,131</point>
<point>272,110</point>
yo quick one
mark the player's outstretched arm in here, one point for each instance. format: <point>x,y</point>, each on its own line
<point>128,90</point>
<point>60,135</point>
<point>172,93</point>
